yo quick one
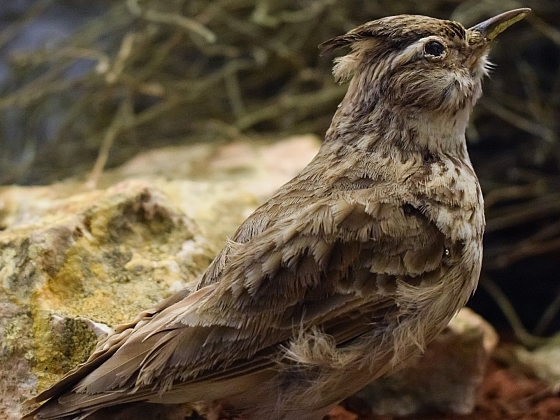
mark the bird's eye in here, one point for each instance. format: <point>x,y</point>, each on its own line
<point>434,48</point>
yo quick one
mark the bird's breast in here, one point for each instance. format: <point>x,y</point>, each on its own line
<point>448,192</point>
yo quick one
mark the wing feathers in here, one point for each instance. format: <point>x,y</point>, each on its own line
<point>332,264</point>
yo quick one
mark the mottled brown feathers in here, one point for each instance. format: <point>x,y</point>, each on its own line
<point>349,270</point>
<point>396,32</point>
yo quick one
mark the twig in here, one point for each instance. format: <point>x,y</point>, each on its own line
<point>517,215</point>
<point>113,73</point>
<point>300,102</point>
<point>548,315</point>
<point>234,94</point>
<point>514,192</point>
<point>505,256</point>
<point>508,310</point>
<point>518,121</point>
<point>170,18</point>
<point>544,28</point>
<point>544,241</point>
<point>37,8</point>
<point>44,85</point>
<point>119,121</point>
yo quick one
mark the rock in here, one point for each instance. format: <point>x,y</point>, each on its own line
<point>74,262</point>
<point>102,255</point>
<point>542,362</point>
<point>447,376</point>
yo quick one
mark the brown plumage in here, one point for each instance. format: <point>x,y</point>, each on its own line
<point>348,270</point>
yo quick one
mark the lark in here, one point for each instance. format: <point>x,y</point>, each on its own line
<point>348,271</point>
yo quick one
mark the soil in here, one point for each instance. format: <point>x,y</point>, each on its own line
<point>506,394</point>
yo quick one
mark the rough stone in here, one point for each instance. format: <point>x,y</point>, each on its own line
<point>542,362</point>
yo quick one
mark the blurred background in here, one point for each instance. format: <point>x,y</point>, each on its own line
<point>94,83</point>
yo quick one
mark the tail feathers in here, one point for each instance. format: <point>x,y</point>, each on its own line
<point>139,411</point>
<point>68,381</point>
<point>77,406</point>
<point>80,406</point>
<point>105,349</point>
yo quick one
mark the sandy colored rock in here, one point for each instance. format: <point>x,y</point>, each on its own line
<point>102,255</point>
<point>542,362</point>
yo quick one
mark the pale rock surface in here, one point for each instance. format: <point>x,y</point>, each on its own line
<point>542,362</point>
<point>75,261</point>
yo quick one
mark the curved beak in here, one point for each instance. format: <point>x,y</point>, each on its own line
<point>490,28</point>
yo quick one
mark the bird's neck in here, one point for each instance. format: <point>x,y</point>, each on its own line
<point>383,125</point>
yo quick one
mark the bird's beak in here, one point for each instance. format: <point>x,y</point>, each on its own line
<point>491,28</point>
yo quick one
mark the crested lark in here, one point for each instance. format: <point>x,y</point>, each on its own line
<point>350,269</point>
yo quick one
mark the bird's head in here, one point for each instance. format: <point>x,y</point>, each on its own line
<point>417,62</point>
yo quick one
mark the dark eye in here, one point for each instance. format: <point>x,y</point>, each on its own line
<point>434,48</point>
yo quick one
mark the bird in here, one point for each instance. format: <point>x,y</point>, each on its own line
<point>348,271</point>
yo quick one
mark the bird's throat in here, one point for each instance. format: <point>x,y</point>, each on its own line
<point>410,130</point>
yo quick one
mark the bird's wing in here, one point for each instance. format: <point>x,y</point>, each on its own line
<point>328,260</point>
